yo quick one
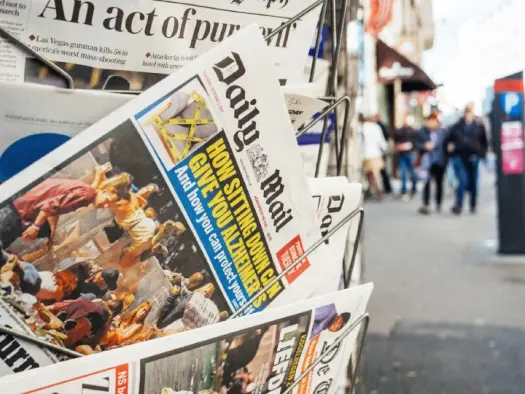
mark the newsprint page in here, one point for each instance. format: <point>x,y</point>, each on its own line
<point>143,40</point>
<point>36,119</point>
<point>335,198</point>
<point>172,213</point>
<point>29,132</point>
<point>265,353</point>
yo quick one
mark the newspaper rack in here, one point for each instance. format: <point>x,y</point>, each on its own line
<point>333,103</point>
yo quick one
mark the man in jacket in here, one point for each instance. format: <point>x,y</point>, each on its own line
<point>405,139</point>
<point>433,160</point>
<point>466,144</point>
<point>241,355</point>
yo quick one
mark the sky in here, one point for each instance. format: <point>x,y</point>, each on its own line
<point>449,17</point>
<point>465,77</point>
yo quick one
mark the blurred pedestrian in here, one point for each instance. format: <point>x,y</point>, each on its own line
<point>452,181</point>
<point>466,144</point>
<point>434,160</point>
<point>374,147</point>
<point>387,187</point>
<point>404,144</point>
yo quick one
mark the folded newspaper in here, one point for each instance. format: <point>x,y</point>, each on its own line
<point>302,103</point>
<point>143,40</point>
<point>300,347</point>
<point>189,198</point>
<point>34,120</point>
<point>335,198</point>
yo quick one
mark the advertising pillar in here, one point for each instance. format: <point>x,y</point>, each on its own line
<point>508,138</point>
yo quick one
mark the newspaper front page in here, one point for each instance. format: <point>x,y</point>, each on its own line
<point>335,199</point>
<point>34,120</point>
<point>169,214</point>
<point>143,40</point>
<point>259,354</point>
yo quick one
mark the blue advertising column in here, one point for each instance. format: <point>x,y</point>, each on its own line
<point>508,138</point>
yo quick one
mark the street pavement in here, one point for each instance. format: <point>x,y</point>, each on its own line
<point>448,314</point>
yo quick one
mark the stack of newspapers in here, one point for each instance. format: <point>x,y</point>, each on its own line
<point>169,242</point>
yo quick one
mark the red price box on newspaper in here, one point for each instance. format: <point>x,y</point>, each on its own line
<point>288,254</point>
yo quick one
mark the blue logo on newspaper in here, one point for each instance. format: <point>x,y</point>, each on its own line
<point>25,151</point>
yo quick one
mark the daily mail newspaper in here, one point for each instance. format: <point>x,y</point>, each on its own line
<point>335,199</point>
<point>143,40</point>
<point>35,119</point>
<point>265,353</point>
<point>189,198</point>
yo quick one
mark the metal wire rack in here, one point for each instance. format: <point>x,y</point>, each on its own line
<point>338,29</point>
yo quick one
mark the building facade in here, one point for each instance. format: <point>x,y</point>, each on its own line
<point>409,31</point>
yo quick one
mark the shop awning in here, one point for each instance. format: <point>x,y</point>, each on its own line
<point>392,65</point>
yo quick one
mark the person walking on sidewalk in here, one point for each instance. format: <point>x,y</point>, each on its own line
<point>466,144</point>
<point>374,146</point>
<point>434,160</point>
<point>387,187</point>
<point>404,142</point>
